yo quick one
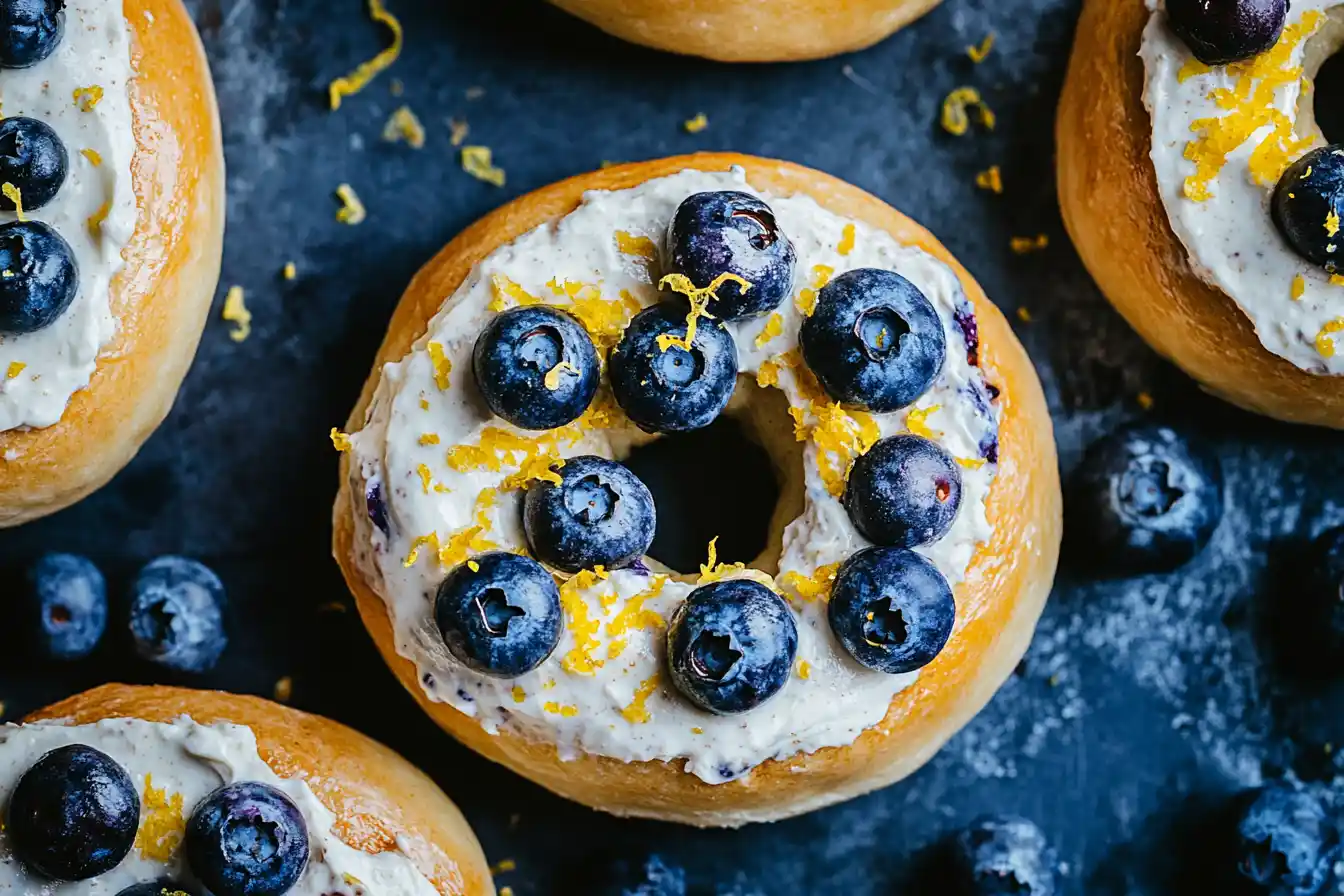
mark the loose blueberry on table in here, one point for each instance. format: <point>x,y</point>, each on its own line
<point>30,31</point>
<point>73,815</point>
<point>905,492</point>
<point>67,606</point>
<point>502,617</point>
<point>162,887</point>
<point>891,609</point>
<point>1310,193</point>
<point>536,367</point>
<point>38,276</point>
<point>1001,855</point>
<point>1223,31</point>
<point>731,646</point>
<point>177,614</point>
<point>874,341</point>
<point>32,159</point>
<point>247,839</point>
<point>1287,843</point>
<point>600,514</point>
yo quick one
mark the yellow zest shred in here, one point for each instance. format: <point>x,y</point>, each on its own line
<point>405,127</point>
<point>1025,244</point>
<point>806,302</point>
<point>697,124</point>
<point>479,162</point>
<point>1325,343</point>
<point>1299,287</point>
<point>471,539</point>
<point>95,222</point>
<point>519,695</point>
<point>15,195</point>
<point>804,670</point>
<point>352,210</point>
<point>458,130</point>
<point>503,866</point>
<point>970,463</point>
<point>538,468</point>
<point>1337,279</point>
<point>821,275</point>
<point>634,615</point>
<point>441,363</point>
<point>713,571</point>
<point>431,541</point>
<point>1192,68</point>
<point>955,118</point>
<point>290,271</point>
<point>1331,223</point>
<point>980,52</point>
<point>580,659</point>
<point>556,709</point>
<point>814,587</point>
<point>162,826</point>
<point>642,246</point>
<point>767,374</point>
<point>365,72</point>
<point>990,179</point>
<point>505,289</point>
<point>15,368</point>
<point>339,440</point>
<point>773,327</point>
<point>917,421</point>
<point>637,712</point>
<point>552,379</point>
<point>532,455</point>
<point>94,157</point>
<point>429,438</point>
<point>235,311</point>
<point>473,566</point>
<point>1024,314</point>
<point>88,98</point>
<point>846,244</point>
<point>1145,401</point>
<point>699,300</point>
<point>426,477</point>
<point>283,690</point>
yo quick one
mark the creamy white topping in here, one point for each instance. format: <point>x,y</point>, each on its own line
<point>611,696</point>
<point>187,760</point>
<point>95,52</point>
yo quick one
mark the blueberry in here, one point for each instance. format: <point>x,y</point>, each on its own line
<point>30,31</point>
<point>891,609</point>
<point>1287,843</point>
<point>73,814</point>
<point>162,887</point>
<point>247,839</point>
<point>654,877</point>
<point>38,276</point>
<point>673,390</point>
<point>536,367</point>
<point>1309,203</point>
<point>68,606</point>
<point>874,341</point>
<point>1146,499</point>
<point>731,645</point>
<point>600,514</point>
<point>33,159</point>
<point>1005,856</point>
<point>501,618</point>
<point>177,614</point>
<point>905,492</point>
<point>1223,31</point>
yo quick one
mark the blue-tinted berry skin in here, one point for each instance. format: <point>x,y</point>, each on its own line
<point>68,606</point>
<point>653,877</point>
<point>503,618</point>
<point>177,614</point>
<point>732,233</point>
<point>1227,30</point>
<point>30,31</point>
<point>874,341</point>
<point>1308,193</point>
<point>516,351</point>
<point>1287,843</point>
<point>673,390</point>
<point>600,514</point>
<point>73,815</point>
<point>1146,499</point>
<point>905,492</point>
<point>731,645</point>
<point>1003,855</point>
<point>33,159</point>
<point>162,887</point>
<point>40,277</point>
<point>891,609</point>
<point>247,839</point>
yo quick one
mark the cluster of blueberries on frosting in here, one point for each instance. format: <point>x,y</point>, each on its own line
<point>74,816</point>
<point>874,342</point>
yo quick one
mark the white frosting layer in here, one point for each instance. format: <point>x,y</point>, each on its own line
<point>96,52</point>
<point>191,760</point>
<point>1230,236</point>
<point>588,700</point>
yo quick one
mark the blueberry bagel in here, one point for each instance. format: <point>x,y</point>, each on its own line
<point>137,791</point>
<point>504,571</point>
<point>1204,198</point>
<point>111,228</point>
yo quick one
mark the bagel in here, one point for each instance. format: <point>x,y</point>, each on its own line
<point>129,94</point>
<point>618,736</point>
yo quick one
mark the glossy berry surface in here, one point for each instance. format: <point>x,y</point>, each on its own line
<point>38,276</point>
<point>874,341</point>
<point>673,390</point>
<point>600,514</point>
<point>1146,499</point>
<point>1223,31</point>
<point>73,815</point>
<point>891,609</point>
<point>177,614</point>
<point>1287,843</point>
<point>247,839</point>
<point>30,31</point>
<point>904,492</point>
<point>162,887</point>
<point>67,606</point>
<point>33,159</point>
<point>502,618</point>
<point>1308,205</point>
<point>536,367</point>
<point>729,232</point>
<point>1001,855</point>
<point>731,645</point>
<point>653,877</point>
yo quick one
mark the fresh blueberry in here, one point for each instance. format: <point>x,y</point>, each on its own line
<point>600,514</point>
<point>891,609</point>
<point>732,233</point>
<point>1223,31</point>
<point>30,31</point>
<point>1308,205</point>
<point>68,606</point>
<point>731,645</point>
<point>673,390</point>
<point>1146,499</point>
<point>177,614</point>
<point>536,367</point>
<point>905,492</point>
<point>38,276</point>
<point>653,877</point>
<point>874,341</point>
<point>1287,843</point>
<point>1006,856</point>
<point>247,839</point>
<point>501,618</point>
<point>73,814</point>
<point>162,887</point>
<point>33,159</point>
<point>376,507</point>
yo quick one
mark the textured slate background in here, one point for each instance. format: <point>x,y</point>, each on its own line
<point>1142,706</point>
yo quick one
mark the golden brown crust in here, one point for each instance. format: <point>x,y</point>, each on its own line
<point>997,606</point>
<point>160,298</point>
<point>375,795</point>
<point>749,30</point>
<point>1114,212</point>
